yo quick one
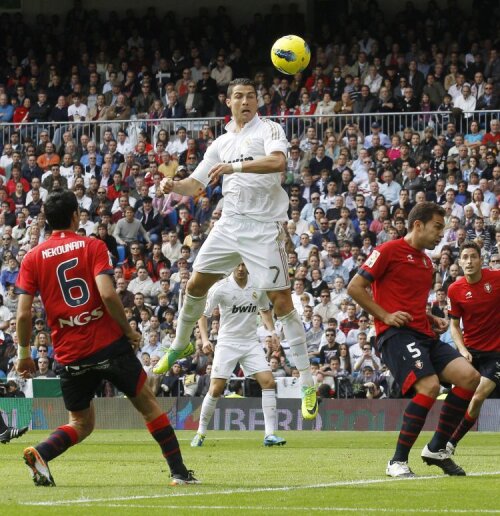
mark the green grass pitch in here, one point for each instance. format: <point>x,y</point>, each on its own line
<point>123,473</point>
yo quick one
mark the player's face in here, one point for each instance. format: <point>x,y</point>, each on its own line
<point>243,103</point>
<point>241,272</point>
<point>432,232</point>
<point>470,262</point>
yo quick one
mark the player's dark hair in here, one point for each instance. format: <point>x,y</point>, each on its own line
<point>469,244</point>
<point>59,209</point>
<point>240,82</point>
<point>424,212</point>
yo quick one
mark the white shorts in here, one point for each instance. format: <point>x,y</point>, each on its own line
<point>260,245</point>
<point>251,357</point>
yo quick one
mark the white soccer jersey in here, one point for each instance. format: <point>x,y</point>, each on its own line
<point>257,196</point>
<point>238,307</point>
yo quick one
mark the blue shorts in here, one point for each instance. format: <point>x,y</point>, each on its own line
<point>488,364</point>
<point>411,355</point>
<point>79,381</point>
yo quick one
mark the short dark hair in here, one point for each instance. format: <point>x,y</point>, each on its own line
<point>59,208</point>
<point>468,244</point>
<point>424,212</point>
<point>240,82</point>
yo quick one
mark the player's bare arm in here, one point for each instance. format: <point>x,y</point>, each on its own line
<point>188,186</point>
<point>439,324</point>
<point>267,319</point>
<point>115,308</point>
<point>25,364</point>
<point>274,162</point>
<point>458,339</point>
<point>203,326</point>
<point>357,289</point>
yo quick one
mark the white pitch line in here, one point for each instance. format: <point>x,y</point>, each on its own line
<point>344,483</point>
<point>299,509</point>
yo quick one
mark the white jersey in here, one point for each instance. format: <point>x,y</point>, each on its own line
<point>257,196</point>
<point>238,307</point>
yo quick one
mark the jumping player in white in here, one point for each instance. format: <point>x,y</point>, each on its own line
<point>238,303</point>
<point>251,155</point>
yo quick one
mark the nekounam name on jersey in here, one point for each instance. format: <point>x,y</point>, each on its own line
<point>61,249</point>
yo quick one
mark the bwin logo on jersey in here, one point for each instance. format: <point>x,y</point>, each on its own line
<point>250,309</point>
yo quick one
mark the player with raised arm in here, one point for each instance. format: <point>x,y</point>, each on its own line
<point>251,155</point>
<point>238,303</point>
<point>400,275</point>
<point>92,338</point>
<point>475,299</point>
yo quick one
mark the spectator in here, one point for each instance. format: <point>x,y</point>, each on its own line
<point>129,229</point>
<point>171,385</point>
<point>43,369</point>
<point>48,158</point>
<point>367,359</point>
<point>222,74</point>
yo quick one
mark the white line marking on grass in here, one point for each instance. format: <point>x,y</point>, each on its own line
<point>343,483</point>
<point>219,439</point>
<point>300,509</point>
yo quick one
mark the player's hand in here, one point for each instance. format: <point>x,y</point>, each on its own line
<point>167,185</point>
<point>26,367</point>
<point>217,171</point>
<point>397,319</point>
<point>466,355</point>
<point>440,325</point>
<point>207,347</point>
<point>134,339</point>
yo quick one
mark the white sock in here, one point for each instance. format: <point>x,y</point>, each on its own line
<point>269,409</point>
<point>296,338</point>
<point>191,311</point>
<point>207,411</point>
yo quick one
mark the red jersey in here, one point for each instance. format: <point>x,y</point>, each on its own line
<point>62,270</point>
<point>478,305</point>
<point>402,278</point>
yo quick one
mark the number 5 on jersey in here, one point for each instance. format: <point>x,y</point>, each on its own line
<point>414,352</point>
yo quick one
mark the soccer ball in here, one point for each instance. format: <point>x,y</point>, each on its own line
<point>290,54</point>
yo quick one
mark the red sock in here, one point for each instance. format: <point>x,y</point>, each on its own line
<point>164,434</point>
<point>464,426</point>
<point>57,442</point>
<point>413,422</point>
<point>452,412</point>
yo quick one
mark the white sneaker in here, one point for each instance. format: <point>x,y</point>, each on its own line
<point>39,468</point>
<point>442,459</point>
<point>450,448</point>
<point>198,440</point>
<point>399,469</point>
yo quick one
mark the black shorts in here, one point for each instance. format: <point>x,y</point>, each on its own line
<point>79,381</point>
<point>411,355</point>
<point>488,364</point>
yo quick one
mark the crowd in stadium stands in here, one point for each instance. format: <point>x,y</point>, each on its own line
<point>352,180</point>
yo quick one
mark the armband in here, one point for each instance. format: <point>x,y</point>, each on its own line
<point>237,166</point>
<point>23,352</point>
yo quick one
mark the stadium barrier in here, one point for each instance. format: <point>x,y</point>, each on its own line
<point>294,125</point>
<point>237,414</point>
